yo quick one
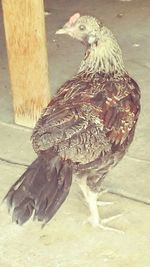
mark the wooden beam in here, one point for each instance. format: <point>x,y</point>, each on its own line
<point>26,47</point>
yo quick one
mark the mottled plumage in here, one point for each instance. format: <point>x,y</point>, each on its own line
<point>86,128</point>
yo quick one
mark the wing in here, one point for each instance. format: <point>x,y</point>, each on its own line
<point>120,107</point>
<point>83,125</point>
<point>56,126</point>
<point>72,131</point>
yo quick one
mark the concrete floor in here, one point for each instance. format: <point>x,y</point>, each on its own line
<point>65,241</point>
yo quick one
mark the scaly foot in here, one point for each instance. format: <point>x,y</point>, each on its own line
<point>103,203</point>
<point>96,222</point>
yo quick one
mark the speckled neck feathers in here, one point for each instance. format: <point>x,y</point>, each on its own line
<point>104,55</point>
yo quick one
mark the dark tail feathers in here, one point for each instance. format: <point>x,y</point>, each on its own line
<point>40,190</point>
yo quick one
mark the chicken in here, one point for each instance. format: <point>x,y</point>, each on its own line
<point>85,130</point>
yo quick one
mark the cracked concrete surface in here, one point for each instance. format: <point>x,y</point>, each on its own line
<point>65,241</point>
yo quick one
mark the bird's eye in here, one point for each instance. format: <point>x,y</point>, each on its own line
<point>82,27</point>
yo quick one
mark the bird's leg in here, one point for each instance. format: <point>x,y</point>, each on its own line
<point>85,190</point>
<point>95,219</point>
<point>103,203</point>
<point>83,186</point>
<point>91,199</point>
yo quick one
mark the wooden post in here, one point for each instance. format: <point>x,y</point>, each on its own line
<point>26,47</point>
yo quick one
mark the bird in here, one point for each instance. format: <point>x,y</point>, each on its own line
<point>83,133</point>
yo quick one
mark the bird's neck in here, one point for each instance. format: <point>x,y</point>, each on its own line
<point>104,56</point>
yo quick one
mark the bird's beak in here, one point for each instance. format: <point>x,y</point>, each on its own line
<point>61,31</point>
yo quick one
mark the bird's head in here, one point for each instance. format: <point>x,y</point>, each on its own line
<point>84,28</point>
<point>103,52</point>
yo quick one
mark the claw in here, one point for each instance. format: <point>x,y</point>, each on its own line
<point>103,203</point>
<point>104,227</point>
<point>91,199</point>
<point>107,220</point>
<point>101,224</point>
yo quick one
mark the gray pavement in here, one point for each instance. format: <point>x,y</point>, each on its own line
<point>66,241</point>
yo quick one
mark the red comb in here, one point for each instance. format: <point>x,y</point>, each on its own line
<point>73,19</point>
